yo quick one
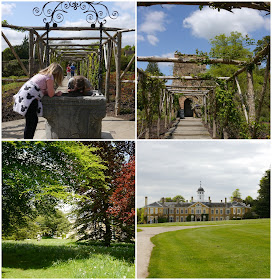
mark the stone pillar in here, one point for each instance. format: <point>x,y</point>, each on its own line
<point>74,117</point>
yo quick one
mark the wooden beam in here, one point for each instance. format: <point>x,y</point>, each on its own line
<point>241,99</point>
<point>15,54</point>
<point>118,74</point>
<point>173,86</point>
<point>128,66</point>
<point>79,28</point>
<point>191,60</point>
<point>257,58</point>
<point>186,78</point>
<point>74,38</point>
<point>74,45</point>
<point>261,6</point>
<point>107,81</point>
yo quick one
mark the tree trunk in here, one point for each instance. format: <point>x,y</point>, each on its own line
<point>250,98</point>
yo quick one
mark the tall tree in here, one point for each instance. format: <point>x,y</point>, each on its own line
<point>153,68</point>
<point>235,194</point>
<point>178,198</point>
<point>263,200</point>
<point>122,202</point>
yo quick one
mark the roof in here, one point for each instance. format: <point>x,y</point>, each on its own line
<point>188,204</point>
<point>200,189</point>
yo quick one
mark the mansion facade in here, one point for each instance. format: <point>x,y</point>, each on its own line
<point>199,210</point>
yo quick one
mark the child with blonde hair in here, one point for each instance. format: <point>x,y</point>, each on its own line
<point>27,101</point>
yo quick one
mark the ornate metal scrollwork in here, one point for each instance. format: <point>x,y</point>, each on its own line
<point>93,14</point>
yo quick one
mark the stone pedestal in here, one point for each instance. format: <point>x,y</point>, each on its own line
<point>74,117</point>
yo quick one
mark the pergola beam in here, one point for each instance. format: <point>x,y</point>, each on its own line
<point>173,86</point>
<point>191,60</point>
<point>187,78</point>
<point>74,38</point>
<point>80,28</point>
<point>74,45</point>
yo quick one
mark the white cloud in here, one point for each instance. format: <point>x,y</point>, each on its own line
<point>163,65</point>
<point>7,9</point>
<point>14,37</point>
<point>152,39</point>
<point>126,5</point>
<point>208,23</point>
<point>153,23</point>
<point>140,37</point>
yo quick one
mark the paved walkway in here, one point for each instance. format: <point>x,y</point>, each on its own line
<point>145,246</point>
<point>112,127</point>
<point>190,128</point>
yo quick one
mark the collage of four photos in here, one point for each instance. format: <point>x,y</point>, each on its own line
<point>135,139</point>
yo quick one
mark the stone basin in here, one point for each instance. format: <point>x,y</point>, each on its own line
<point>74,117</point>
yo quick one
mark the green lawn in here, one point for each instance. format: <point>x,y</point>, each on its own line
<point>240,251</point>
<point>54,258</point>
<point>253,221</point>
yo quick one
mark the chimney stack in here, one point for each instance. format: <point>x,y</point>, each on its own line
<point>221,200</point>
<point>186,200</point>
<point>192,199</point>
<point>209,199</point>
<point>146,201</point>
<point>225,200</point>
<point>162,199</point>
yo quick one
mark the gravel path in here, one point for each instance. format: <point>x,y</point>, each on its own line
<point>145,246</point>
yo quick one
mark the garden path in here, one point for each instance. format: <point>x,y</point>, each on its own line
<point>145,246</point>
<point>190,128</point>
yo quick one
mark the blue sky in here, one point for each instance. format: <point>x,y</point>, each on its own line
<point>20,13</point>
<point>163,29</point>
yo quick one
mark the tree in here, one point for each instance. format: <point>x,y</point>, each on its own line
<point>122,202</point>
<point>234,46</point>
<point>153,68</point>
<point>263,200</point>
<point>168,199</point>
<point>235,194</point>
<point>249,200</point>
<point>55,224</point>
<point>178,198</point>
<point>36,176</point>
<point>92,219</point>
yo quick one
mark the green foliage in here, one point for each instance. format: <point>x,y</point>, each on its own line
<point>93,69</point>
<point>153,68</point>
<point>13,68</point>
<point>263,200</point>
<point>21,50</point>
<point>235,194</point>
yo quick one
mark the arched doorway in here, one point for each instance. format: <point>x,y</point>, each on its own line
<point>188,112</point>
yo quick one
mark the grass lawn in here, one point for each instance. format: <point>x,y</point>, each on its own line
<point>55,258</point>
<point>238,251</point>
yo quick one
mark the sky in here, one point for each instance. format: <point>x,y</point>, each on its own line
<point>20,13</point>
<point>170,168</point>
<point>164,29</point>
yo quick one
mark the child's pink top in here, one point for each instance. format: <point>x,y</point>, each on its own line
<point>40,80</point>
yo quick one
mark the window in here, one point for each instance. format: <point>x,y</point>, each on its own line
<point>171,211</point>
<point>151,211</point>
<point>192,211</point>
<point>216,211</point>
<point>171,219</point>
<point>204,211</point>
<point>186,211</point>
<point>212,218</point>
<point>165,211</point>
<point>227,218</point>
<point>181,211</point>
<point>221,219</point>
<point>216,219</point>
<point>181,219</point>
<point>212,211</point>
<point>156,210</point>
<point>177,211</point>
<point>221,211</point>
<point>177,219</point>
<point>243,210</point>
<point>234,212</point>
<point>238,211</point>
<point>228,212</point>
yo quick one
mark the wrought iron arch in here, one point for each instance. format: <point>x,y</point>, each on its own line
<point>93,16</point>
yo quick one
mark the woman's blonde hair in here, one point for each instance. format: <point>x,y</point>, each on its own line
<point>56,70</point>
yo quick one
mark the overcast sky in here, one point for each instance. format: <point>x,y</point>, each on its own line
<point>20,13</point>
<point>164,29</point>
<point>168,168</point>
